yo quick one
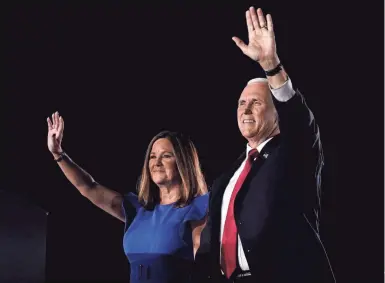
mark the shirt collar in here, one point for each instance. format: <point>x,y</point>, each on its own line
<point>259,147</point>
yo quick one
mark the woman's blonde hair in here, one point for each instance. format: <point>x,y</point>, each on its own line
<point>192,180</point>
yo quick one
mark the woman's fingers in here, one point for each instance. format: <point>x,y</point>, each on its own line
<point>61,125</point>
<point>53,121</point>
<point>270,25</point>
<point>49,124</point>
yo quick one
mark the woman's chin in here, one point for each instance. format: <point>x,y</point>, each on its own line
<point>160,181</point>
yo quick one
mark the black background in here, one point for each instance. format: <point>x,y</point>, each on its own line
<point>119,73</point>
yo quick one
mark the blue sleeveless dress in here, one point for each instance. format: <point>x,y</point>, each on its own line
<point>158,243</point>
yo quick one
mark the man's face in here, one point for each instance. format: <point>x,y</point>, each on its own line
<point>256,112</point>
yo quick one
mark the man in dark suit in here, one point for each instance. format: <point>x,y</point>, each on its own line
<point>263,215</point>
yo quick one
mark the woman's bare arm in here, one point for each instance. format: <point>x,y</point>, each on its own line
<point>103,197</point>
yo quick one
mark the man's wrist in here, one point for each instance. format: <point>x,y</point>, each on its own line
<point>270,64</point>
<point>276,70</point>
<point>282,92</point>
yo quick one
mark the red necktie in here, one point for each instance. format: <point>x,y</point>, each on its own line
<point>229,238</point>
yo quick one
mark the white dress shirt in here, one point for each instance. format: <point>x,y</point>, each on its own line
<point>283,94</point>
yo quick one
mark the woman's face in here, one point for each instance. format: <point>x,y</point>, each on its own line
<point>162,163</point>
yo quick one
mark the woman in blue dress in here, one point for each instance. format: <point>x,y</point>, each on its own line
<point>164,220</point>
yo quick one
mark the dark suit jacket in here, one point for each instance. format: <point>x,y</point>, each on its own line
<point>276,210</point>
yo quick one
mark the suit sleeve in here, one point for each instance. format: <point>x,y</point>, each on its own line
<point>300,131</point>
<point>296,120</point>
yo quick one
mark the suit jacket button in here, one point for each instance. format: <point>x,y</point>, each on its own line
<point>240,222</point>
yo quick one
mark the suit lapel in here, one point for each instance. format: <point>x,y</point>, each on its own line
<point>219,188</point>
<point>222,182</point>
<point>268,149</point>
<point>216,205</point>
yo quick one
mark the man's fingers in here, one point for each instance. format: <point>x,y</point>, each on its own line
<point>254,18</point>
<point>240,43</point>
<point>250,27</point>
<point>261,18</point>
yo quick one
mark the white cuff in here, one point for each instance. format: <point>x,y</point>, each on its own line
<point>283,93</point>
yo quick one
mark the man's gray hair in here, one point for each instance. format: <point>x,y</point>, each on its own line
<point>257,80</point>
